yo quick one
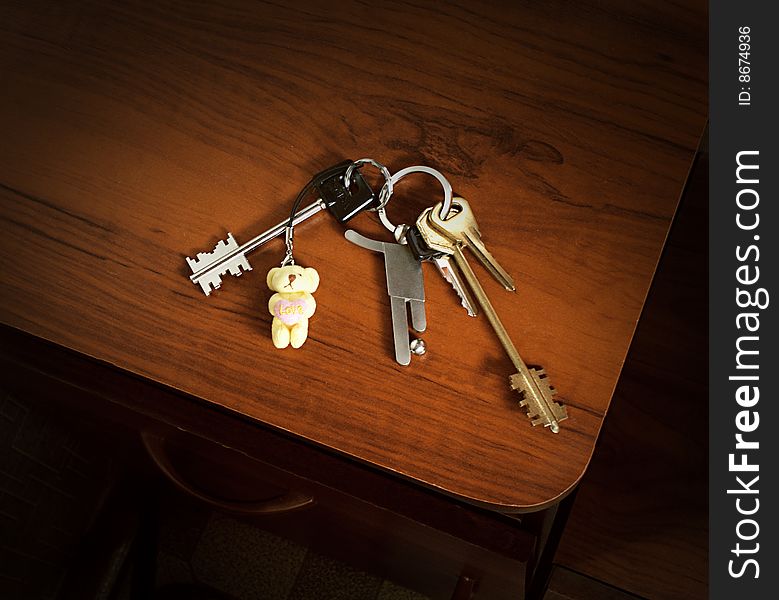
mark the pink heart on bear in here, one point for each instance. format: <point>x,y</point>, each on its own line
<point>290,311</point>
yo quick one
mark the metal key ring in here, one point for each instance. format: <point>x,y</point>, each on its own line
<point>385,173</point>
<point>386,192</point>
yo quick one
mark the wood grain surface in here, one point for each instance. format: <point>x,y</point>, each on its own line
<point>137,133</point>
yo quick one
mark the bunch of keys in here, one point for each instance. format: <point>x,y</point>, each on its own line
<point>439,235</point>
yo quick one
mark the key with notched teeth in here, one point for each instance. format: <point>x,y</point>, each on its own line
<point>461,219</point>
<point>228,257</point>
<point>533,384</point>
<point>426,243</point>
<point>405,286</point>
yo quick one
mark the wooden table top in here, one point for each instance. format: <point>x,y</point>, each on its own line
<point>136,134</point>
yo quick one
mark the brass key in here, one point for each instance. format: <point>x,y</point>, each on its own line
<point>436,241</point>
<point>532,383</point>
<point>461,219</point>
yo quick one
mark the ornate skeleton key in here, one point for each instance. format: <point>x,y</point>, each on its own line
<point>532,383</point>
<point>404,286</point>
<point>228,257</point>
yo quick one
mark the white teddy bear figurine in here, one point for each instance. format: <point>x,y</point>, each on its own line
<point>292,305</point>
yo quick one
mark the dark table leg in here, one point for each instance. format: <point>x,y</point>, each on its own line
<point>550,526</point>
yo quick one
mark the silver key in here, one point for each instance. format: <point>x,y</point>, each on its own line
<point>229,257</point>
<point>448,269</point>
<point>405,286</point>
<point>465,224</point>
<point>343,202</point>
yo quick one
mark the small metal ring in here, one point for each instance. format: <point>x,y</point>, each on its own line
<point>385,173</point>
<point>446,206</point>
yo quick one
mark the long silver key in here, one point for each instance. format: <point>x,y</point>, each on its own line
<point>461,218</point>
<point>228,257</point>
<point>533,384</point>
<point>442,260</point>
<point>405,286</point>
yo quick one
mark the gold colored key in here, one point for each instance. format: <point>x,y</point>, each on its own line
<point>437,241</point>
<point>461,220</point>
<point>533,384</point>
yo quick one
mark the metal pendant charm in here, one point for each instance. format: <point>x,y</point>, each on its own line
<point>405,286</point>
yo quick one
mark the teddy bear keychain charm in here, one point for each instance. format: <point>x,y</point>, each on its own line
<point>293,303</point>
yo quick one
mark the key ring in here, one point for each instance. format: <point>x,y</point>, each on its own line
<point>385,173</point>
<point>329,173</point>
<point>386,193</point>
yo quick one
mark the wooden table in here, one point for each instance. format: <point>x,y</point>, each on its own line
<point>136,134</point>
